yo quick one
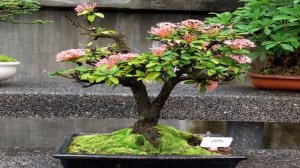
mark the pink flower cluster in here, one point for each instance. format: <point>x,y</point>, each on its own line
<point>239,43</point>
<point>85,7</point>
<point>163,29</point>
<point>159,51</point>
<point>242,59</point>
<point>192,24</point>
<point>212,85</point>
<point>70,54</point>
<point>114,59</point>
<point>189,38</point>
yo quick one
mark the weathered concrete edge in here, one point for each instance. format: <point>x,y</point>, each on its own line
<point>166,5</point>
<point>60,100</point>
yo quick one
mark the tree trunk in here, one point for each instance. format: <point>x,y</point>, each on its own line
<point>149,112</point>
<point>148,116</point>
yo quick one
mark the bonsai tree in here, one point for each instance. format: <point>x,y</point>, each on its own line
<point>274,26</point>
<point>190,52</point>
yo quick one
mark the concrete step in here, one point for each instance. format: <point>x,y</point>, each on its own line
<point>69,100</point>
<point>41,158</point>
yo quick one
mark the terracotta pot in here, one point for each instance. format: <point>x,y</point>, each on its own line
<point>275,82</point>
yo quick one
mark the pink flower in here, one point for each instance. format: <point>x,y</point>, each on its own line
<point>85,7</point>
<point>214,26</point>
<point>189,38</point>
<point>163,29</point>
<point>239,43</point>
<point>158,51</point>
<point>241,59</point>
<point>212,85</point>
<point>70,54</point>
<point>192,24</point>
<point>115,59</point>
<point>216,47</point>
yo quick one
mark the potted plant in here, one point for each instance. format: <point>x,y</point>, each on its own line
<point>274,27</point>
<point>8,10</point>
<point>8,67</point>
<point>190,52</point>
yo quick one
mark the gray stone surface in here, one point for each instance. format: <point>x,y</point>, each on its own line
<point>246,135</point>
<point>41,158</point>
<point>187,5</point>
<point>69,100</point>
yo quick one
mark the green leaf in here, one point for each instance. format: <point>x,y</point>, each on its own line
<point>51,75</point>
<point>211,72</point>
<point>267,31</point>
<point>91,80</point>
<point>235,70</point>
<point>114,80</point>
<point>91,18</point>
<point>140,73</point>
<point>114,70</point>
<point>270,46</point>
<point>268,42</point>
<point>100,15</point>
<point>295,44</point>
<point>285,17</point>
<point>81,69</point>
<point>153,75</point>
<point>171,73</point>
<point>100,79</point>
<point>286,10</point>
<point>215,61</point>
<point>90,44</point>
<point>287,47</point>
<point>85,76</point>
<point>151,64</point>
<point>108,82</point>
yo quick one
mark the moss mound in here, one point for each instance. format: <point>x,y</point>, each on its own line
<point>4,58</point>
<point>124,142</point>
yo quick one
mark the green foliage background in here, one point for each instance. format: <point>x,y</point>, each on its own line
<point>11,8</point>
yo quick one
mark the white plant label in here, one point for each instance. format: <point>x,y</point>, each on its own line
<point>216,142</point>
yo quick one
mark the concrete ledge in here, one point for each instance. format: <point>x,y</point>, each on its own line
<point>69,100</point>
<point>42,158</point>
<point>187,5</point>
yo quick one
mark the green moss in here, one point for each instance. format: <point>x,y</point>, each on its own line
<point>4,58</point>
<point>172,142</point>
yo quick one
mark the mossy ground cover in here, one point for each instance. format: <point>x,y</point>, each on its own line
<point>124,142</point>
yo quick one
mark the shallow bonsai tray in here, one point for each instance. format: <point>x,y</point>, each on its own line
<point>126,161</point>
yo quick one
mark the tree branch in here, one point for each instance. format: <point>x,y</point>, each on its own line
<point>165,92</point>
<point>119,38</point>
<point>141,96</point>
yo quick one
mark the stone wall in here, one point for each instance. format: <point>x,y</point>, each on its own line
<point>181,5</point>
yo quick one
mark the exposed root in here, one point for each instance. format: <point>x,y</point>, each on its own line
<point>150,133</point>
<point>194,141</point>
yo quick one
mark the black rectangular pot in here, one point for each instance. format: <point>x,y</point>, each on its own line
<point>124,161</point>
